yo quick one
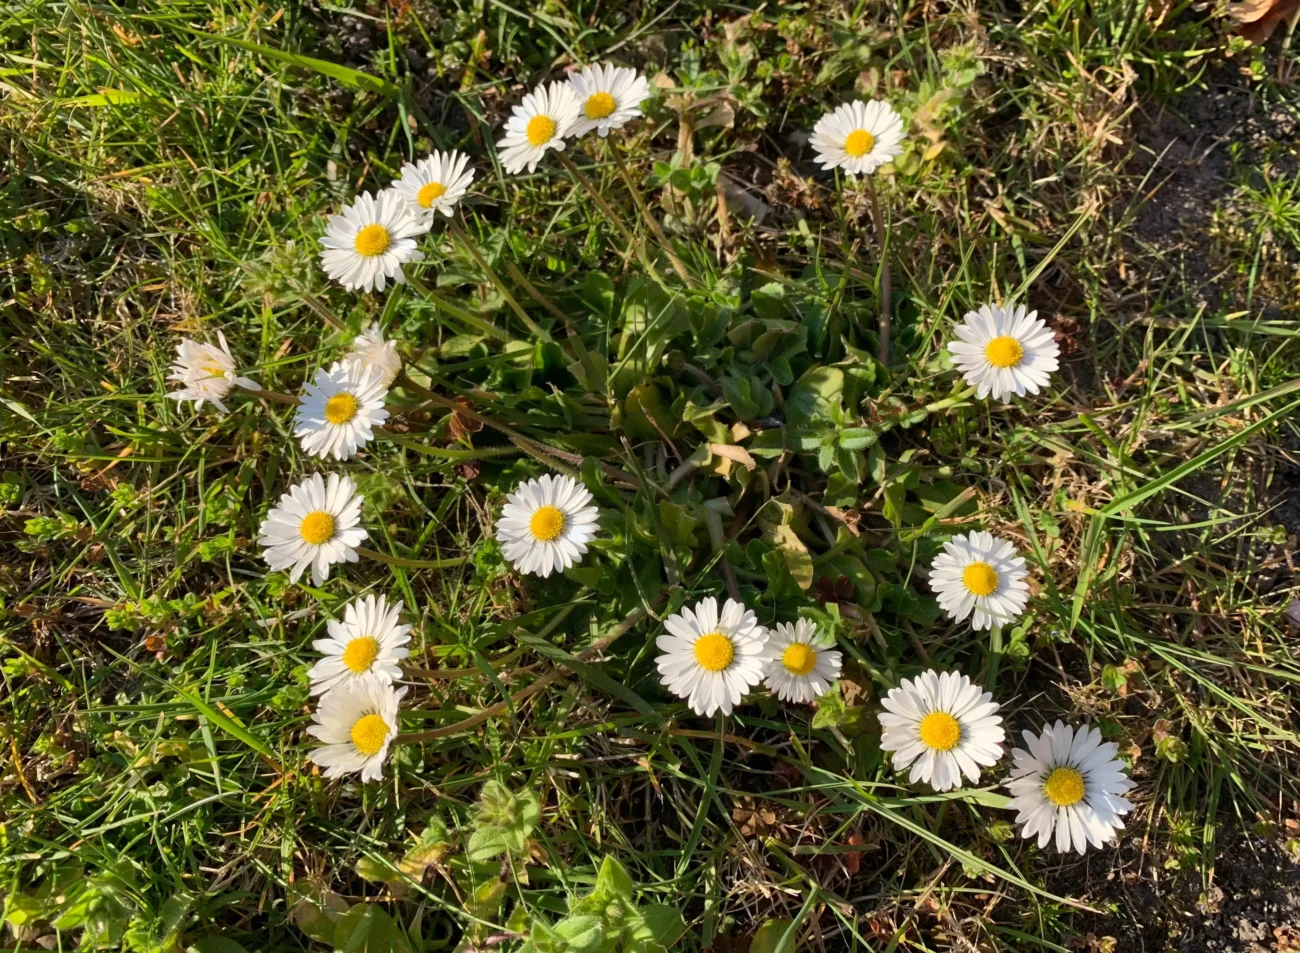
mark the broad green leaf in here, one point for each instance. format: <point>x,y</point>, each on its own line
<point>774,936</point>
<point>367,928</point>
<point>613,881</point>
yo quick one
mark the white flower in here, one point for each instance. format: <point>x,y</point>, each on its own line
<point>368,643</point>
<point>1004,351</point>
<point>943,726</point>
<point>546,524</point>
<point>608,97</point>
<point>712,661</point>
<point>371,351</point>
<point>367,244</point>
<point>858,137</point>
<point>1071,781</point>
<point>800,664</point>
<point>980,574</point>
<point>314,524</point>
<point>206,372</point>
<point>357,722</point>
<point>435,183</point>
<point>340,410</point>
<point>540,122</point>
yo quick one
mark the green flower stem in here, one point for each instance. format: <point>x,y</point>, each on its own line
<point>460,314</point>
<point>614,218</point>
<point>882,239</point>
<point>270,395</point>
<point>318,306</point>
<point>594,377</point>
<point>650,220</point>
<point>404,563</point>
<point>463,237</point>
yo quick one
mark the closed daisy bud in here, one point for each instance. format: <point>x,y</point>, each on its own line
<point>206,372</point>
<point>371,351</point>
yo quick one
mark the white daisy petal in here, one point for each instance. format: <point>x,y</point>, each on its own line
<point>608,98</point>
<point>798,663</point>
<point>435,184</point>
<point>372,352</point>
<point>546,524</point>
<point>357,721</point>
<point>973,578</point>
<point>340,410</point>
<point>542,121</point>
<point>712,660</point>
<point>369,643</point>
<point>314,524</point>
<point>206,372</point>
<point>369,242</point>
<point>1004,351</point>
<point>858,137</point>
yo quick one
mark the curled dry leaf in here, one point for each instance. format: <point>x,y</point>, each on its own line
<point>1259,18</point>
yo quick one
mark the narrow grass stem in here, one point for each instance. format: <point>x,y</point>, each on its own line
<point>460,314</point>
<point>614,218</point>
<point>882,239</point>
<point>650,220</point>
<point>320,308</point>
<point>270,395</point>
<point>463,237</point>
<point>404,563</point>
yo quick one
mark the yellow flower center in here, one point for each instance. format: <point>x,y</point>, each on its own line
<point>547,524</point>
<point>213,370</point>
<point>369,734</point>
<point>599,105</point>
<point>1064,786</point>
<point>372,240</point>
<point>360,653</point>
<point>940,731</point>
<point>714,651</point>
<point>341,408</point>
<point>317,528</point>
<point>980,578</point>
<point>429,193</point>
<point>1004,351</point>
<point>859,143</point>
<point>541,130</point>
<point>799,659</point>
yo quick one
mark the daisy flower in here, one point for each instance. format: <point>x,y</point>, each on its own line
<point>546,524</point>
<point>367,244</point>
<point>540,122</point>
<point>435,183</point>
<point>858,137</point>
<point>943,726</point>
<point>980,574</point>
<point>357,722</point>
<point>206,372</point>
<point>1070,781</point>
<point>371,351</point>
<point>609,97</point>
<point>368,643</point>
<point>340,410</point>
<point>712,660</point>
<point>314,524</point>
<point>800,663</point>
<point>1004,351</point>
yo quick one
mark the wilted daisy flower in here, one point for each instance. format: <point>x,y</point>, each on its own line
<point>206,372</point>
<point>1004,351</point>
<point>371,351</point>
<point>369,642</point>
<point>943,726</point>
<point>546,524</point>
<point>340,410</point>
<point>981,576</point>
<point>712,660</point>
<point>435,183</point>
<point>800,664</point>
<point>1070,781</point>
<point>608,96</point>
<point>314,524</point>
<point>357,722</point>
<point>367,244</point>
<point>540,122</point>
<point>858,137</point>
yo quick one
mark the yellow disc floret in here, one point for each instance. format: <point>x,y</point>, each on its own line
<point>1005,351</point>
<point>373,240</point>
<point>369,734</point>
<point>599,105</point>
<point>541,130</point>
<point>429,193</point>
<point>714,651</point>
<point>859,143</point>
<point>317,528</point>
<point>940,731</point>
<point>547,523</point>
<point>360,653</point>
<point>341,408</point>
<point>1064,786</point>
<point>980,578</point>
<point>799,659</point>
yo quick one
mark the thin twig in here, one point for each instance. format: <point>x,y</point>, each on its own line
<point>882,240</point>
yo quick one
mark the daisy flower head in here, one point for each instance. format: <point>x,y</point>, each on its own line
<point>546,525</point>
<point>540,122</point>
<point>368,643</point>
<point>1004,350</point>
<point>1071,782</point>
<point>371,351</point>
<point>368,242</point>
<point>800,663</point>
<point>356,722</point>
<point>943,726</point>
<point>980,576</point>
<point>206,372</point>
<point>609,97</point>
<point>712,659</point>
<point>435,183</point>
<point>858,137</point>
<point>340,410</point>
<point>314,524</point>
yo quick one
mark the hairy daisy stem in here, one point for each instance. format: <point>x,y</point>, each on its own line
<point>463,237</point>
<point>325,314</point>
<point>594,376</point>
<point>614,218</point>
<point>270,395</point>
<point>460,314</point>
<point>447,563</point>
<point>634,618</point>
<point>882,239</point>
<point>639,200</point>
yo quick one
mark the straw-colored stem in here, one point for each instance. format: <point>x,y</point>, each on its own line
<point>460,314</point>
<point>270,395</point>
<point>404,563</point>
<point>650,220</point>
<point>477,255</point>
